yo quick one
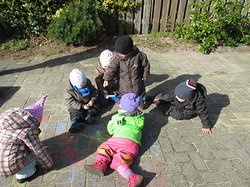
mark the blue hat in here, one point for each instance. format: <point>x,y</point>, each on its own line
<point>186,90</point>
<point>130,102</point>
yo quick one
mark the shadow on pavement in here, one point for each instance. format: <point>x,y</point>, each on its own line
<point>89,53</point>
<point>6,92</point>
<point>156,78</point>
<point>71,149</point>
<point>215,103</point>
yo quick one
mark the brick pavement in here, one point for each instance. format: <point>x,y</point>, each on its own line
<point>173,153</point>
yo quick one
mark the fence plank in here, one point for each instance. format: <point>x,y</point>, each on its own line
<point>156,16</point>
<point>138,20</point>
<point>164,15</point>
<point>165,12</point>
<point>146,16</point>
<point>129,22</point>
<point>188,11</point>
<point>173,12</point>
<point>181,11</point>
<point>246,10</point>
<point>121,25</point>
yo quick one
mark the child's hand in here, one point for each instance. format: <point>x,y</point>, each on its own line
<point>206,131</point>
<point>91,103</point>
<point>105,84</point>
<point>106,96</point>
<point>156,101</point>
<point>86,107</point>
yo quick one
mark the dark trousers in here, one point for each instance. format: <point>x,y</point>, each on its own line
<point>170,110</point>
<point>80,116</point>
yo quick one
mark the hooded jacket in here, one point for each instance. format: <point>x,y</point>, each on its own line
<point>191,108</point>
<point>99,74</point>
<point>125,126</point>
<point>75,100</point>
<point>19,137</point>
<point>131,70</point>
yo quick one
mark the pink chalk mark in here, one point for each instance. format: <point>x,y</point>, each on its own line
<point>162,178</point>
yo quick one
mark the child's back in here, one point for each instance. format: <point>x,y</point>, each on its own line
<point>127,126</point>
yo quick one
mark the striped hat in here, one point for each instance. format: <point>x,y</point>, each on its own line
<point>186,90</point>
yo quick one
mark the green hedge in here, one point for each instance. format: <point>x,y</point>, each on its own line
<point>76,23</point>
<point>215,23</point>
<point>24,18</point>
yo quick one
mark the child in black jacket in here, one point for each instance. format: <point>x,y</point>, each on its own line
<point>185,102</point>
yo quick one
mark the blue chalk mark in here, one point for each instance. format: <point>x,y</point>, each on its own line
<point>155,149</point>
<point>61,127</point>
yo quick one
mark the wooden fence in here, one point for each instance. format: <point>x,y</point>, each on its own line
<point>159,15</point>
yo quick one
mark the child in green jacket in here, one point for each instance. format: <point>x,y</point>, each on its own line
<point>120,150</point>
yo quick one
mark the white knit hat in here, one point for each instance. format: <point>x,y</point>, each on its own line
<point>77,78</point>
<point>105,58</point>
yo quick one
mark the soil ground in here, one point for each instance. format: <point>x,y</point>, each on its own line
<point>43,46</point>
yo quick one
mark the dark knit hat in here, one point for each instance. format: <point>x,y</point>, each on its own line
<point>130,102</point>
<point>124,44</point>
<point>185,90</point>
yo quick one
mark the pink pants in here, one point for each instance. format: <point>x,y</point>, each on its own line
<point>117,151</point>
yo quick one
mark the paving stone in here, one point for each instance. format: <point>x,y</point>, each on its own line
<point>173,153</point>
<point>213,176</point>
<point>247,182</point>
<point>207,185</point>
<point>6,181</point>
<point>218,164</point>
<point>234,178</point>
<point>198,162</point>
<point>190,174</point>
<point>210,142</point>
<point>241,170</point>
<point>225,154</point>
<point>204,151</point>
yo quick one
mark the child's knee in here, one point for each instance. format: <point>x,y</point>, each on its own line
<point>121,160</point>
<point>105,151</point>
<point>127,159</point>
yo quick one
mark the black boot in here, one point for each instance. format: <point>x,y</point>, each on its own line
<point>76,125</point>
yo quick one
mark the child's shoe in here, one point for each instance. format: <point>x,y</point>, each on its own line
<point>28,179</point>
<point>134,180</point>
<point>76,127</point>
<point>148,101</point>
<point>97,168</point>
<point>90,119</point>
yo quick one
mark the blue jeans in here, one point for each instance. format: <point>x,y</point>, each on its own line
<point>28,170</point>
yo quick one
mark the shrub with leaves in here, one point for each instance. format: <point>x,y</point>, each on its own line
<point>122,6</point>
<point>15,45</point>
<point>24,18</point>
<point>112,10</point>
<point>76,23</point>
<point>216,23</point>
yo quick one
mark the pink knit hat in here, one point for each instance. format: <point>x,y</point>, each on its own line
<point>36,109</point>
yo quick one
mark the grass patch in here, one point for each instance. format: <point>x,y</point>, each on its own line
<point>15,45</point>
